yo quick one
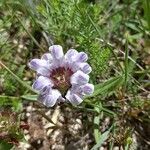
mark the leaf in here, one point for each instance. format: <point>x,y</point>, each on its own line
<point>96,130</point>
<point>5,146</point>
<point>103,138</point>
<point>109,85</point>
<point>11,101</point>
<point>133,26</point>
<point>146,6</point>
<point>126,63</point>
<point>96,124</point>
<point>30,97</point>
<point>20,71</point>
<point>17,105</point>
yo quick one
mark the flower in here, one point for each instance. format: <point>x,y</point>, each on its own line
<point>62,77</point>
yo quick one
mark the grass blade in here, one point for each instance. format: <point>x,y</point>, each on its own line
<point>111,84</point>
<point>126,63</point>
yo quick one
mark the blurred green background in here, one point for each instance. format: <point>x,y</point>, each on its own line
<point>116,36</point>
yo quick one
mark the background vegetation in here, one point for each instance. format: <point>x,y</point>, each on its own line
<point>116,36</point>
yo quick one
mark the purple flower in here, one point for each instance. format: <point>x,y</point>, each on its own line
<point>62,77</point>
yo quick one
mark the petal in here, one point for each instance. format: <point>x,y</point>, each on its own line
<point>71,54</point>
<point>88,89</point>
<point>37,63</point>
<point>41,66</point>
<point>48,57</point>
<point>73,66</point>
<point>76,89</point>
<point>41,82</point>
<point>50,98</point>
<point>43,71</point>
<point>73,98</point>
<point>58,63</point>
<point>85,67</point>
<point>56,51</point>
<point>82,57</point>
<point>46,90</point>
<point>61,99</point>
<point>79,78</point>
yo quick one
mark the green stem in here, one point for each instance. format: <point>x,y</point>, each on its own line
<point>18,79</point>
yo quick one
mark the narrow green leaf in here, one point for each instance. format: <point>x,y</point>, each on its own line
<point>146,5</point>
<point>126,63</point>
<point>30,97</point>
<point>96,124</point>
<point>102,139</point>
<point>111,84</point>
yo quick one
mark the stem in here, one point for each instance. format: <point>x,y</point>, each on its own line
<point>48,119</point>
<point>34,40</point>
<point>18,79</point>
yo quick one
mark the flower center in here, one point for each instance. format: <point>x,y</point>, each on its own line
<point>61,79</point>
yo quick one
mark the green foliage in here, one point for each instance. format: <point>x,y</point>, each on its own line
<point>102,139</point>
<point>146,6</point>
<point>11,86</point>
<point>108,86</point>
<point>8,101</point>
<point>96,123</point>
<point>102,29</point>
<point>63,20</point>
<point>30,97</point>
<point>5,146</point>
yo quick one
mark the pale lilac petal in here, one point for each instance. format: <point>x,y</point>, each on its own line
<point>41,66</point>
<point>46,90</point>
<point>85,67</point>
<point>41,82</point>
<point>61,99</point>
<point>49,99</point>
<point>70,57</point>
<point>56,51</point>
<point>48,57</point>
<point>81,57</point>
<point>43,71</point>
<point>73,98</point>
<point>73,66</point>
<point>79,78</point>
<point>71,54</point>
<point>58,63</point>
<point>37,63</point>
<point>76,89</point>
<point>88,88</point>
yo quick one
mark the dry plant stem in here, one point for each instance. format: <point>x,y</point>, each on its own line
<point>47,118</point>
<point>34,40</point>
<point>63,128</point>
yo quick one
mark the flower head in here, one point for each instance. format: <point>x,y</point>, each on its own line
<point>62,77</point>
